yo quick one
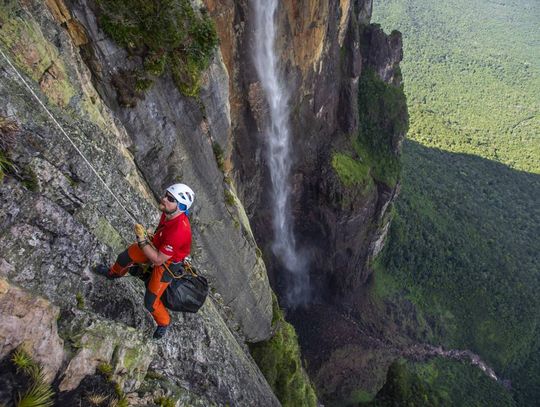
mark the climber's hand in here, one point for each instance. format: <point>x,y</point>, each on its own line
<point>140,231</point>
<point>149,234</point>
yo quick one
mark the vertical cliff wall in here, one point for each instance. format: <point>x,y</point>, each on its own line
<point>324,48</point>
<point>58,220</point>
<point>348,119</point>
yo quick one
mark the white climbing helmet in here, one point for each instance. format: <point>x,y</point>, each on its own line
<point>183,194</point>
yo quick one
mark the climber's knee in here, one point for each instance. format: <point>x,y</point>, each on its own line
<point>149,300</point>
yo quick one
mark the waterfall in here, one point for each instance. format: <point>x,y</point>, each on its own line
<point>279,155</point>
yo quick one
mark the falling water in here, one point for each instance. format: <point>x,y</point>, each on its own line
<point>279,153</point>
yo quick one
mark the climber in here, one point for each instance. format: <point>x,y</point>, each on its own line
<point>171,244</point>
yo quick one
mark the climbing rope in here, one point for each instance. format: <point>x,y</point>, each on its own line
<point>66,135</point>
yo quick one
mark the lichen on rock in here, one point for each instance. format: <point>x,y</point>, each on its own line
<point>35,54</point>
<point>128,351</point>
<point>30,321</point>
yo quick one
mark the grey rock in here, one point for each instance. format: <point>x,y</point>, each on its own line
<point>29,321</point>
<point>171,140</point>
<point>58,221</point>
<point>365,8</point>
<point>383,52</point>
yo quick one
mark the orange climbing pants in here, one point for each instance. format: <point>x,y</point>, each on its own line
<point>156,286</point>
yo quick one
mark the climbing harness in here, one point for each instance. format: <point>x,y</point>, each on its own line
<point>186,266</point>
<point>66,135</point>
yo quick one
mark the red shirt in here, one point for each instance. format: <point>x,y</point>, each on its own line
<point>173,237</point>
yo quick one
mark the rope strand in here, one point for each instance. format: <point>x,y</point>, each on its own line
<point>65,134</point>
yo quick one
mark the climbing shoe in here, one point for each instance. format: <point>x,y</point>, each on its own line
<point>103,270</point>
<point>160,331</point>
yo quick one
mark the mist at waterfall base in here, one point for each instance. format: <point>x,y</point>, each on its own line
<point>293,261</point>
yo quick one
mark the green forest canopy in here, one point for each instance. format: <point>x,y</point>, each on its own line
<point>472,75</point>
<point>464,244</point>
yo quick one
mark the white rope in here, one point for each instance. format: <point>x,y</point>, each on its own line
<point>65,134</point>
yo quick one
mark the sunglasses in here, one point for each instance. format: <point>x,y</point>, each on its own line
<point>170,198</point>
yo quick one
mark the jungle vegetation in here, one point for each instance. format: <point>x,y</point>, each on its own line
<point>464,245</point>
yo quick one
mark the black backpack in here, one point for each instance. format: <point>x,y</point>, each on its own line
<point>187,292</point>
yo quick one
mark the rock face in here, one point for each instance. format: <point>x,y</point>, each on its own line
<point>103,342</point>
<point>171,139</point>
<point>324,47</point>
<point>58,220</point>
<point>30,321</point>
